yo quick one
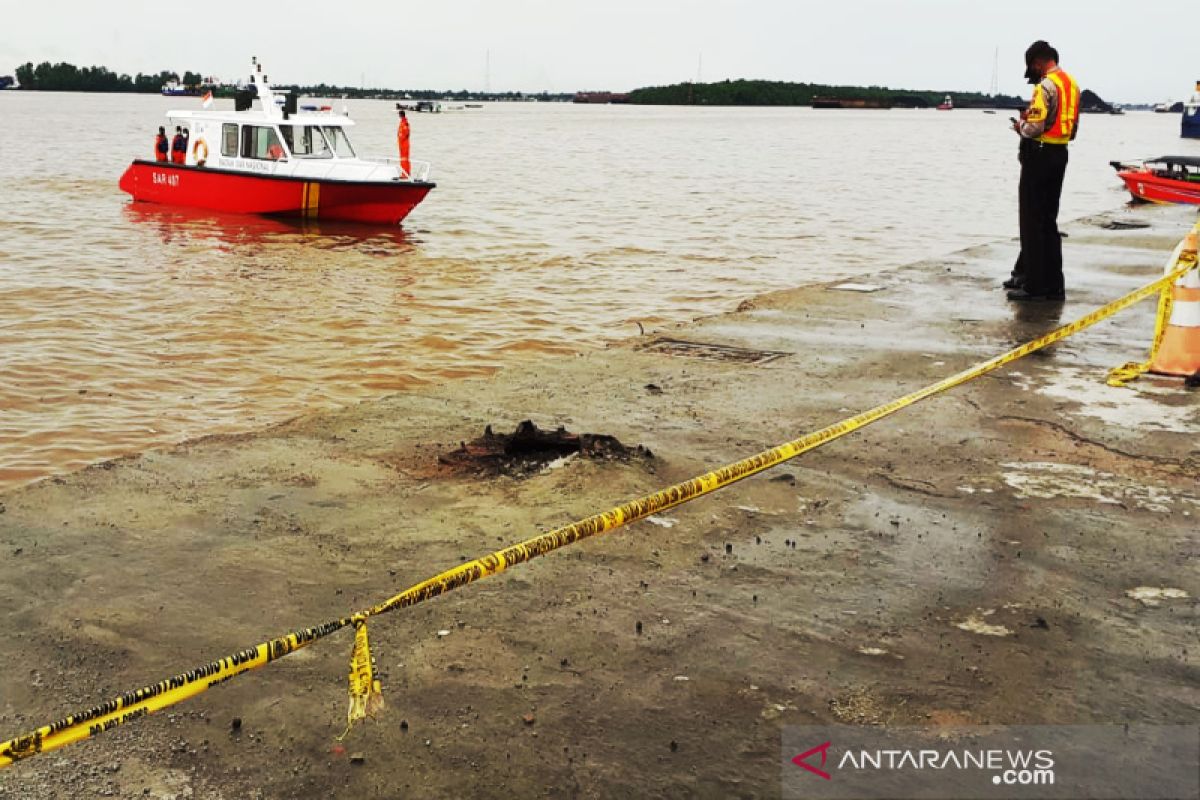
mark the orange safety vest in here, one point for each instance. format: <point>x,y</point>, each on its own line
<point>1062,130</point>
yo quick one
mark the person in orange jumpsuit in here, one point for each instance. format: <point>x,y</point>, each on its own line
<point>402,135</point>
<point>178,147</point>
<point>161,146</point>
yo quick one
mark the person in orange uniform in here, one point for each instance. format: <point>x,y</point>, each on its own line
<point>161,147</point>
<point>1046,128</point>
<point>178,147</point>
<point>402,136</point>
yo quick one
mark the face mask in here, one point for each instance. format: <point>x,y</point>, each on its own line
<point>1032,75</point>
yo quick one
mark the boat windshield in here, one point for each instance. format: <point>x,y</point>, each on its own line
<point>306,141</point>
<point>337,138</point>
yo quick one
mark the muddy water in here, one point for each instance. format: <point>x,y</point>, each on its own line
<point>553,228</point>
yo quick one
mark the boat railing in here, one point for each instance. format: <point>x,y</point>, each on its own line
<point>389,166</point>
<point>418,170</point>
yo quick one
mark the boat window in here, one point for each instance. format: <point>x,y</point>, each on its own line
<point>337,138</point>
<point>259,141</point>
<point>306,141</point>
<point>229,140</point>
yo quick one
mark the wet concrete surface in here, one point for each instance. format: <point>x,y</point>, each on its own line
<point>983,557</point>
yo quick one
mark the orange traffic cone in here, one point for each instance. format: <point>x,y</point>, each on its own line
<point>1175,349</point>
<point>1179,353</point>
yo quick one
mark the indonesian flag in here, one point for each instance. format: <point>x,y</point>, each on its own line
<point>208,100</point>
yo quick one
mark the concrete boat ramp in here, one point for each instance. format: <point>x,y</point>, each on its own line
<point>1019,550</point>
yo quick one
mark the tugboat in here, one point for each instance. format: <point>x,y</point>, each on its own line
<point>1166,179</point>
<point>946,105</point>
<point>266,158</point>
<point>174,88</point>
<point>1190,126</point>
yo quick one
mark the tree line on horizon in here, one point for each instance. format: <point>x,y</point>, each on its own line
<point>64,77</point>
<point>743,92</point>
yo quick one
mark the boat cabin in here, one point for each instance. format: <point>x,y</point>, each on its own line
<point>267,134</point>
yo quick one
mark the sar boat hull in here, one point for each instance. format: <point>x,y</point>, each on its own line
<point>375,202</point>
<point>1156,189</point>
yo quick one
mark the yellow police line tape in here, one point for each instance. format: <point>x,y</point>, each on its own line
<point>365,695</point>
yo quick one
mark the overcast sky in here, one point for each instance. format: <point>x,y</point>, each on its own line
<point>1124,51</point>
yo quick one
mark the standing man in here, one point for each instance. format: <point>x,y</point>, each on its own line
<point>1046,128</point>
<point>161,146</point>
<point>402,134</point>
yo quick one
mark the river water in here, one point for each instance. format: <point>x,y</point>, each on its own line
<point>554,228</point>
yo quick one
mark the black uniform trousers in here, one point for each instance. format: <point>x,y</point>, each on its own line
<point>1043,166</point>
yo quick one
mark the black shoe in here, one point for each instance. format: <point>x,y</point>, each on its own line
<point>1023,294</point>
<point>1013,283</point>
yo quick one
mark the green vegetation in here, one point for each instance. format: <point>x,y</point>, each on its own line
<point>783,93</point>
<point>63,77</point>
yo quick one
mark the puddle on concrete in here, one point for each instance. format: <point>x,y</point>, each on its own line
<point>1046,480</point>
<point>1134,406</point>
<point>1154,595</point>
<point>865,288</point>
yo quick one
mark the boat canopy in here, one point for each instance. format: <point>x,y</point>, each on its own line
<point>1183,161</point>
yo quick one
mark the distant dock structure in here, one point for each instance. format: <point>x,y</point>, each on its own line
<point>849,102</point>
<point>601,98</point>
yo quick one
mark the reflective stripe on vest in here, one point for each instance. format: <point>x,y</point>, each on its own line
<point>1063,129</point>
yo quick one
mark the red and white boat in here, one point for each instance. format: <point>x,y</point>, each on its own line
<point>1166,179</point>
<point>265,158</point>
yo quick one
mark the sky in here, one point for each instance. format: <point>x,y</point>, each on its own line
<point>568,45</point>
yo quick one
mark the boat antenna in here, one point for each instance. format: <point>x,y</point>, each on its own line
<point>995,86</point>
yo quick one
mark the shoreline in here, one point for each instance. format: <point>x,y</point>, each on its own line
<point>622,341</point>
<point>830,596</point>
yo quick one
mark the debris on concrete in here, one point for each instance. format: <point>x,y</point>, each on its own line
<point>529,449</point>
<point>1155,595</point>
<point>973,624</point>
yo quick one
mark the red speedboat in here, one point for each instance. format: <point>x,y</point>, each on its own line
<point>1166,179</point>
<point>265,158</point>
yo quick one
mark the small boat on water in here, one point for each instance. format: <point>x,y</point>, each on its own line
<point>267,157</point>
<point>1166,179</point>
<point>176,89</point>
<point>946,105</point>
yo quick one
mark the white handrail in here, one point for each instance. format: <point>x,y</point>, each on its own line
<point>390,167</point>
<point>419,169</point>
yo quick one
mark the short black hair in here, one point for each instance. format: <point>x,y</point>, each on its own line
<point>1040,49</point>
